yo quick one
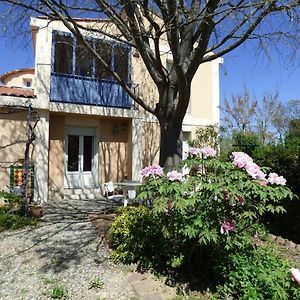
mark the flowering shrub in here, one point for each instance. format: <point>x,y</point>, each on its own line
<point>218,202</point>
<point>216,205</point>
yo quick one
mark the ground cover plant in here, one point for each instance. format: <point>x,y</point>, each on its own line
<point>202,219</point>
<point>11,216</point>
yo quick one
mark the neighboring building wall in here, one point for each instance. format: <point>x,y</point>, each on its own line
<point>12,144</point>
<point>19,79</point>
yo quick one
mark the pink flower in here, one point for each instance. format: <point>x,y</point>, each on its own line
<point>244,161</point>
<point>227,226</point>
<point>254,171</point>
<point>194,151</point>
<point>241,159</point>
<point>154,170</point>
<point>296,275</point>
<point>275,179</point>
<point>208,152</point>
<point>174,175</point>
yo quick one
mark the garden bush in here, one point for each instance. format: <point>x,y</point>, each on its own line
<point>284,159</point>
<point>11,213</point>
<point>256,273</point>
<point>204,209</point>
<point>137,236</point>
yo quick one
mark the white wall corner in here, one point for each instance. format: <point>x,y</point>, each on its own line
<point>216,90</point>
<point>41,158</point>
<point>137,139</point>
<point>43,67</point>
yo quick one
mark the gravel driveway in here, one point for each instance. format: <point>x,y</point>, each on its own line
<point>64,252</point>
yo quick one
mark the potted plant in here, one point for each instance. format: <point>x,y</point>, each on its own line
<point>35,210</point>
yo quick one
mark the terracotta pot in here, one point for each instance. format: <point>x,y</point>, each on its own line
<point>36,211</point>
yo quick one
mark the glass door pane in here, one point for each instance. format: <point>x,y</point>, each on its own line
<point>73,153</point>
<point>87,153</point>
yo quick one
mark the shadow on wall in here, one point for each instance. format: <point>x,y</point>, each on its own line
<point>114,159</point>
<point>12,144</point>
<point>56,164</point>
<point>151,139</point>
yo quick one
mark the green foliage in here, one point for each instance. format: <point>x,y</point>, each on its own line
<point>11,200</point>
<point>284,159</point>
<point>197,206</point>
<point>207,136</point>
<point>245,141</point>
<point>136,235</point>
<point>10,213</point>
<point>14,221</point>
<point>256,273</point>
<point>205,223</point>
<point>188,214</point>
<point>58,292</point>
<point>96,283</point>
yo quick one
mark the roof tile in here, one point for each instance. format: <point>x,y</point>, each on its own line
<point>16,92</point>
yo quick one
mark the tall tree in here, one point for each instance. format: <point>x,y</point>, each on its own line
<point>197,31</point>
<point>240,112</point>
<point>267,118</point>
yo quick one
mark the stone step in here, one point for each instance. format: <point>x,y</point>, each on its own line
<point>83,191</point>
<point>83,196</point>
<point>77,194</point>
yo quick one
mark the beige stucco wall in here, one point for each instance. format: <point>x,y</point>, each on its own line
<point>146,87</point>
<point>113,140</point>
<point>151,138</point>
<point>12,144</point>
<point>202,93</point>
<point>17,79</point>
<point>56,151</point>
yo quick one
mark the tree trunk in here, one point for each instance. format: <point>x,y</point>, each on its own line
<point>170,145</point>
<point>172,108</point>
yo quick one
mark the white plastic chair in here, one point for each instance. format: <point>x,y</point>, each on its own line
<point>109,189</point>
<point>131,194</point>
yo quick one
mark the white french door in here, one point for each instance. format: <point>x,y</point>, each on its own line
<point>81,163</point>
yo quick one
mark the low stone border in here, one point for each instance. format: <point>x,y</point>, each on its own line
<point>283,242</point>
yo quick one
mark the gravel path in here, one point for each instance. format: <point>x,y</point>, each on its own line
<point>61,252</point>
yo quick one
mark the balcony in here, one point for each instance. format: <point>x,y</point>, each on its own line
<point>74,89</point>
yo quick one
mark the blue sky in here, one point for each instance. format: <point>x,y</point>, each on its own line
<point>242,68</point>
<point>261,75</point>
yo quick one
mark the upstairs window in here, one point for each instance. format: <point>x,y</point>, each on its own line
<point>105,51</point>
<point>27,83</point>
<point>84,60</point>
<point>63,51</point>
<point>71,57</point>
<point>121,61</point>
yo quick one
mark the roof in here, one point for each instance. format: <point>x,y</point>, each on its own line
<point>75,19</point>
<point>5,75</point>
<point>16,92</point>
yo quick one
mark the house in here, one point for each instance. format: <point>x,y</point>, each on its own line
<point>89,131</point>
